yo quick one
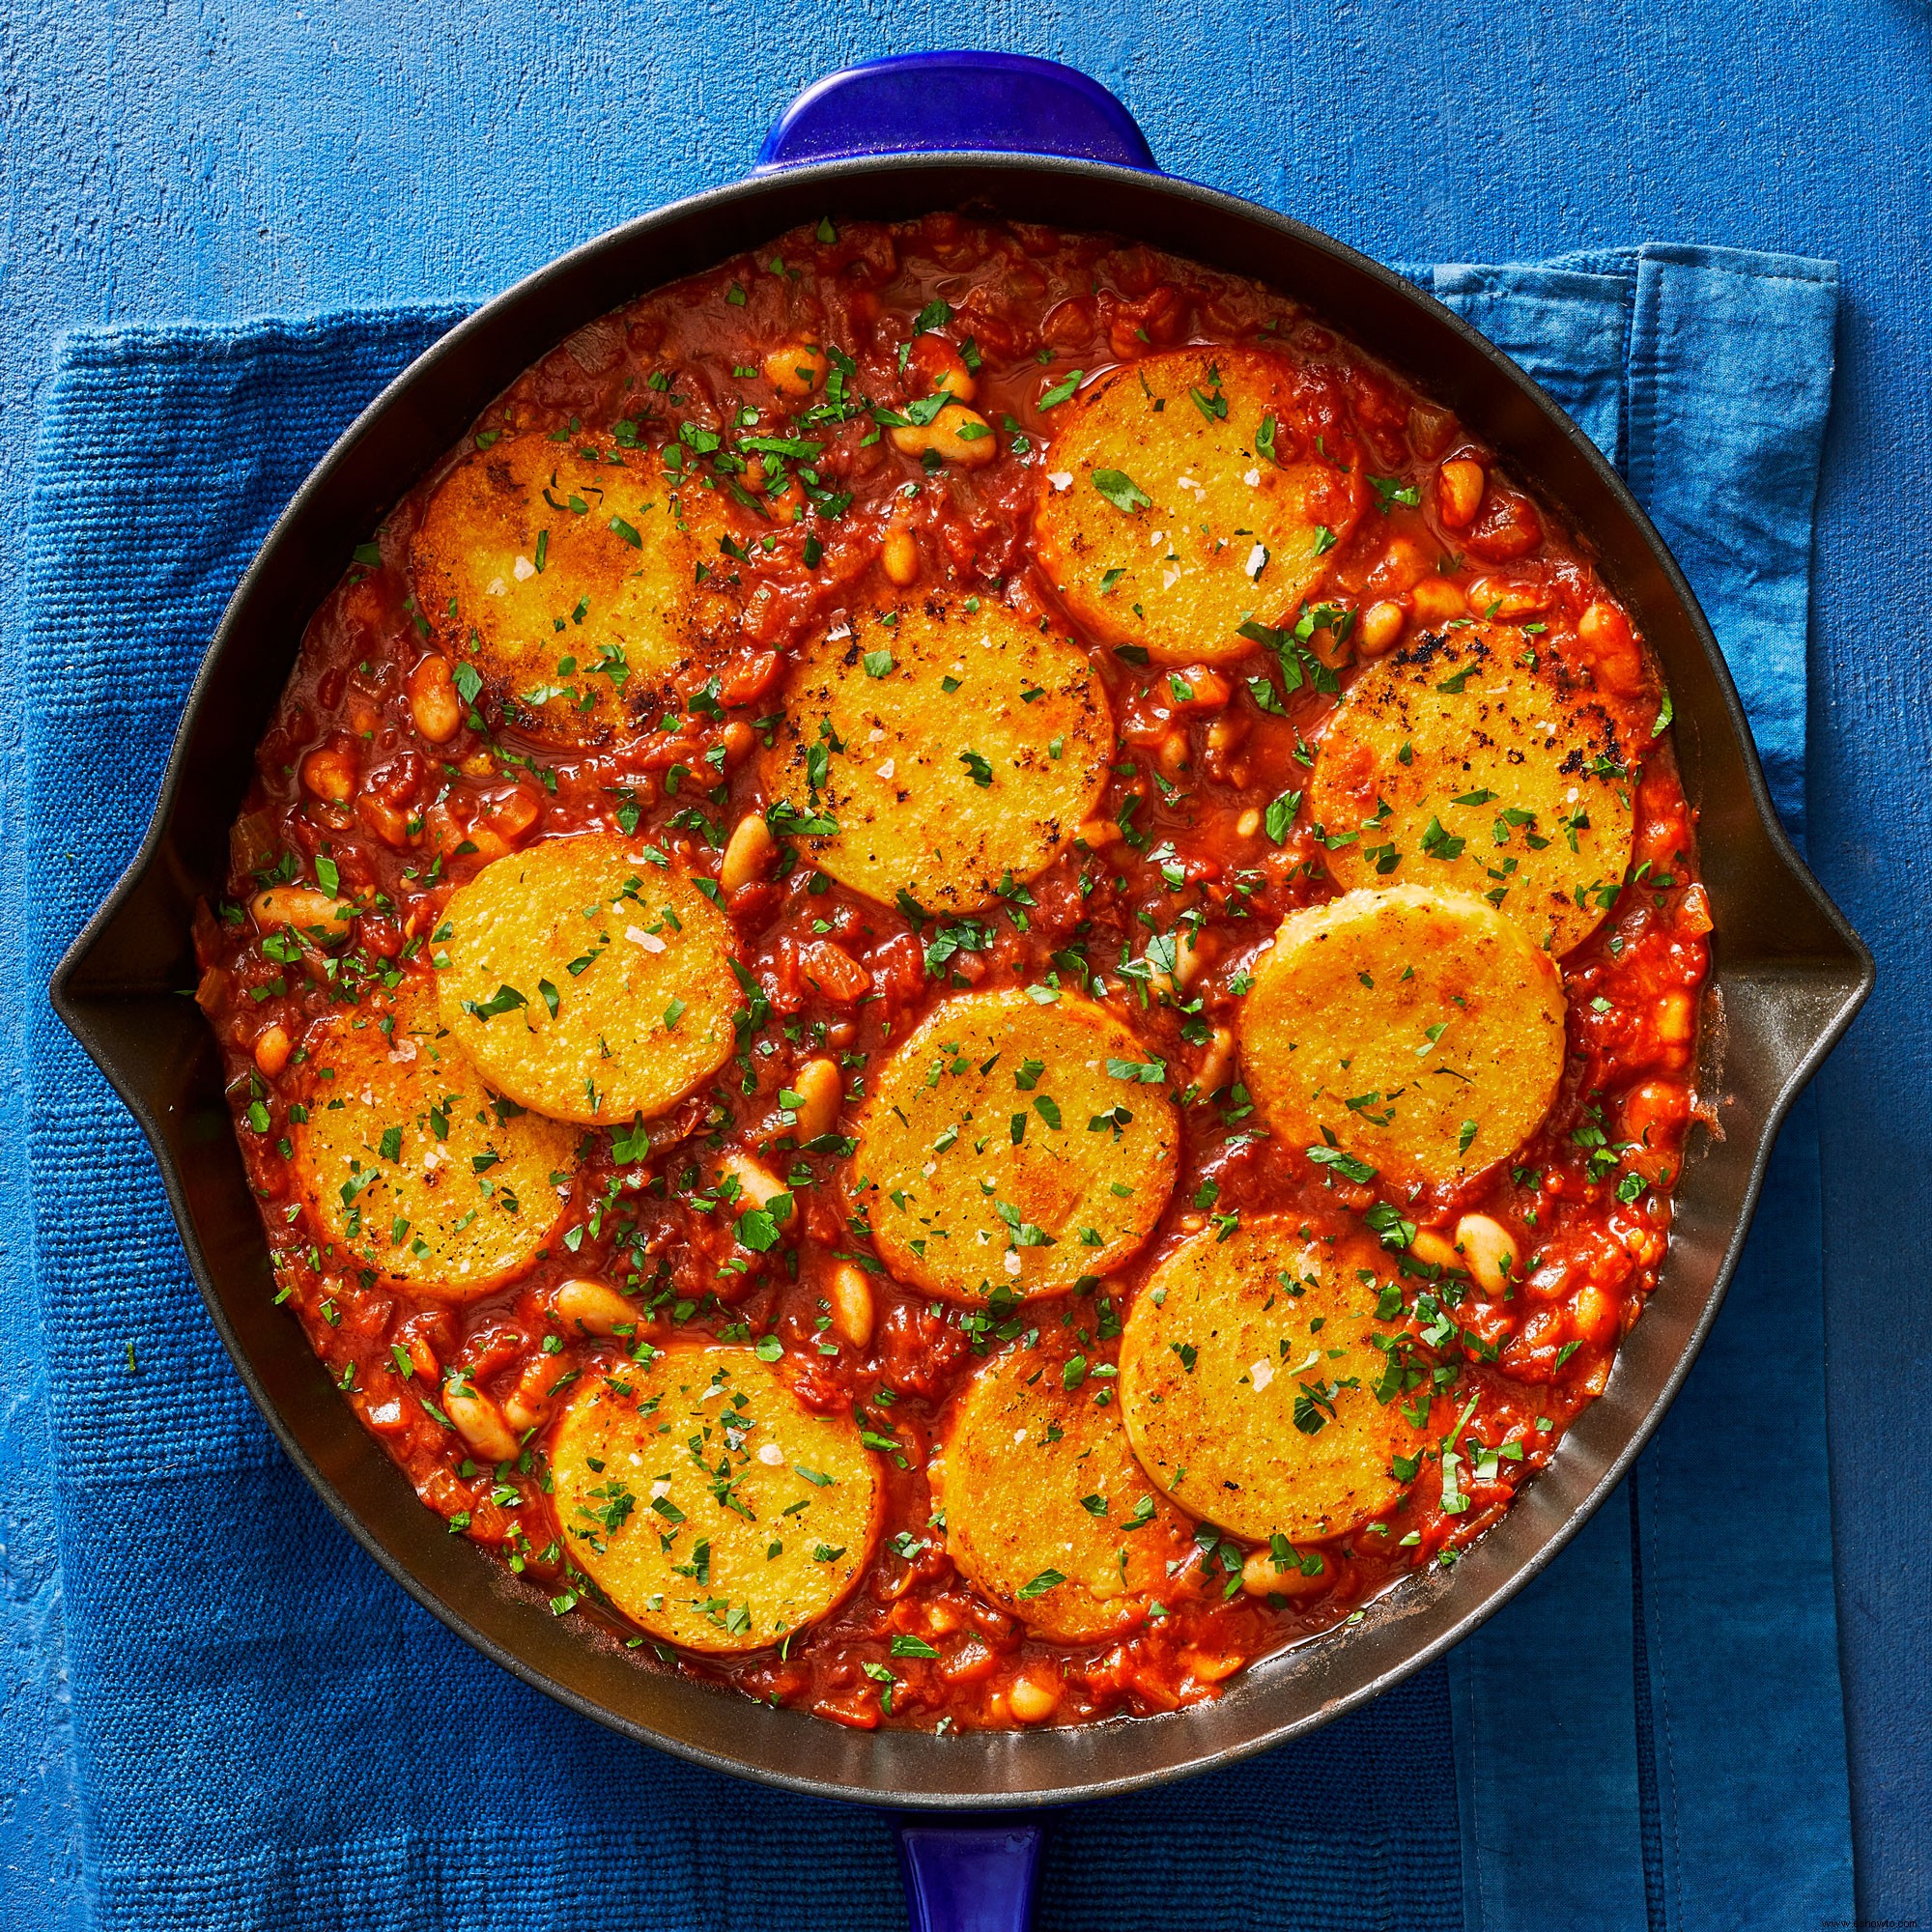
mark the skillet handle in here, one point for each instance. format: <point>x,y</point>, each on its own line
<point>969,1877</point>
<point>954,103</point>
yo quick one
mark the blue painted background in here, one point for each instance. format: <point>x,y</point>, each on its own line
<point>190,158</point>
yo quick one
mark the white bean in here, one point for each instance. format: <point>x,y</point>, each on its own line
<point>821,1092</point>
<point>1189,957</point>
<point>757,1183</point>
<point>796,368</point>
<point>850,1294</point>
<point>478,1420</point>
<point>956,435</point>
<point>316,916</point>
<point>899,554</point>
<point>1439,1250</point>
<point>1261,1576</point>
<point>1033,1697</point>
<point>1490,1249</point>
<point>751,850</point>
<point>1217,1063</point>
<point>1380,626</point>
<point>593,1306</point>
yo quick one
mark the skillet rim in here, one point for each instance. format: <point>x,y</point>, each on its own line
<point>1852,982</point>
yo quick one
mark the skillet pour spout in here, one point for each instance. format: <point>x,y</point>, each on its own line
<point>1788,975</point>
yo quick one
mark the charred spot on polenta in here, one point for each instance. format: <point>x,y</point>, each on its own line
<point>1471,761</point>
<point>578,580</point>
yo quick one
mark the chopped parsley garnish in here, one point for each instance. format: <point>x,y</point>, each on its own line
<point>1122,491</point>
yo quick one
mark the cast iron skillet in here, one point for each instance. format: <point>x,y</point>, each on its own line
<point>893,139</point>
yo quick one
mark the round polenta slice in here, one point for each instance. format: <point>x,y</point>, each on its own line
<point>588,980</point>
<point>956,751</point>
<point>1187,494</point>
<point>1253,1388</point>
<point>412,1166</point>
<point>1047,1513</point>
<point>1415,1033</point>
<point>706,1501</point>
<point>1472,762</point>
<point>581,582</point>
<point>1015,1145</point>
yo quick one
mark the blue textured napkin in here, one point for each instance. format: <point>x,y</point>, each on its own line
<point>1652,1734</point>
<point>271,1735</point>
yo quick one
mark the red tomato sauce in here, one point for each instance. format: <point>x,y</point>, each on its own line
<point>345,779</point>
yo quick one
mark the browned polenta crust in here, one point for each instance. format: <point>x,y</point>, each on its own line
<point>578,579</point>
<point>1039,1481</point>
<point>1185,495</point>
<point>398,1121</point>
<point>1233,1350</point>
<point>955,749</point>
<point>1472,761</point>
<point>709,1503</point>
<point>1419,1031</point>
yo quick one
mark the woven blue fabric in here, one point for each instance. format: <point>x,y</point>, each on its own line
<point>270,1734</point>
<point>1694,1643</point>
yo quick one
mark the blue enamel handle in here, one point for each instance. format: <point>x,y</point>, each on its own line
<point>969,1877</point>
<point>952,104</point>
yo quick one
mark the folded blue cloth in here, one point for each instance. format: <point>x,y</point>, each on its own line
<point>269,1734</point>
<point>1628,1730</point>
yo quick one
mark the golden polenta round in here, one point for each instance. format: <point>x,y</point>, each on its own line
<point>1474,762</point>
<point>588,980</point>
<point>579,579</point>
<point>1185,495</point>
<point>706,1501</point>
<point>1253,1387</point>
<point>411,1165</point>
<point>955,751</point>
<point>1015,1143</point>
<point>1418,1034</point>
<point>1047,1513</point>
